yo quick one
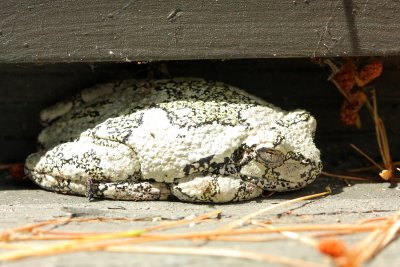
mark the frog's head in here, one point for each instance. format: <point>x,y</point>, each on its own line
<point>284,153</point>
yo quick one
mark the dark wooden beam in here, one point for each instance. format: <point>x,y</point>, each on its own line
<point>145,30</point>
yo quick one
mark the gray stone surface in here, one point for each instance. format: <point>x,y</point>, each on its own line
<point>22,204</point>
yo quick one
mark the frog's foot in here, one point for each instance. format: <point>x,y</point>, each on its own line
<point>89,189</point>
<point>216,189</point>
<point>136,191</point>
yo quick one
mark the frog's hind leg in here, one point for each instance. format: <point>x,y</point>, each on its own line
<point>93,167</point>
<point>135,191</point>
<point>215,189</point>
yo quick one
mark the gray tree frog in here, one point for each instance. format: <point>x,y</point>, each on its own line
<point>196,140</point>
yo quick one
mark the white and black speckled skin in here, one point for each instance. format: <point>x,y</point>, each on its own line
<point>197,140</point>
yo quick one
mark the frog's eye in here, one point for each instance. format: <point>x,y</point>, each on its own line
<point>270,157</point>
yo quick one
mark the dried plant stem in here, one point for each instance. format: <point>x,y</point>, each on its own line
<point>246,218</point>
<point>291,235</point>
<point>245,238</point>
<point>32,228</point>
<point>367,248</point>
<point>215,234</point>
<point>362,169</point>
<point>381,134</point>
<point>196,219</point>
<point>263,230</point>
<point>373,162</point>
<point>10,234</point>
<point>341,91</point>
<point>96,241</point>
<point>334,68</point>
<point>5,166</point>
<point>65,247</point>
<point>347,177</point>
<point>383,231</point>
<point>6,234</point>
<point>104,240</point>
<point>11,246</point>
<point>334,71</point>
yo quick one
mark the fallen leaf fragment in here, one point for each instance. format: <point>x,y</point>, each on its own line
<point>350,108</point>
<point>386,174</point>
<point>17,170</point>
<point>369,72</point>
<point>332,247</point>
<point>345,78</point>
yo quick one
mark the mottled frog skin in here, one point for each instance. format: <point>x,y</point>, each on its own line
<point>184,138</point>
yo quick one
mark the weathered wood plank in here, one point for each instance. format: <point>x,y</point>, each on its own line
<point>122,30</point>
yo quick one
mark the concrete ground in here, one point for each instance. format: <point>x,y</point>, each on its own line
<point>23,204</point>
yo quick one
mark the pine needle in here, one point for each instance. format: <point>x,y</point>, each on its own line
<point>383,231</point>
<point>373,162</point>
<point>246,218</point>
<point>346,177</point>
<point>371,245</point>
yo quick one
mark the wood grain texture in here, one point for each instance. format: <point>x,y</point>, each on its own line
<point>146,30</point>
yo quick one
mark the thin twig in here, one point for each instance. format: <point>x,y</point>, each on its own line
<point>369,168</point>
<point>373,162</point>
<point>5,166</point>
<point>381,134</point>
<point>347,177</point>
<point>341,91</point>
<point>246,218</point>
<point>368,248</point>
<point>291,235</point>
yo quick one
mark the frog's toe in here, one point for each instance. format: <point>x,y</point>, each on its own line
<point>216,189</point>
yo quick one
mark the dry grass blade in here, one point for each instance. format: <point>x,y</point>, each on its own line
<point>203,217</point>
<point>5,166</point>
<point>344,94</point>
<point>363,169</point>
<point>346,177</point>
<point>370,246</point>
<point>291,235</point>
<point>373,162</point>
<point>65,247</point>
<point>7,234</point>
<point>246,218</point>
<point>383,231</point>
<point>378,239</point>
<point>35,231</point>
<point>382,139</point>
<point>207,235</point>
<point>93,242</point>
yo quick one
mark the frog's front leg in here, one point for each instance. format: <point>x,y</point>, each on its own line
<point>215,188</point>
<point>93,167</point>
